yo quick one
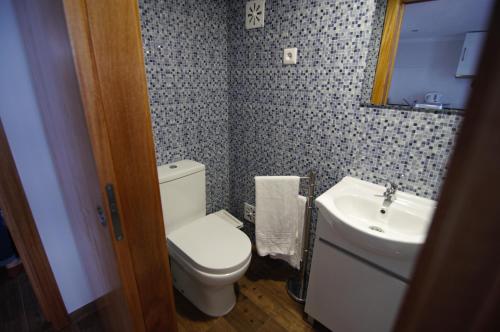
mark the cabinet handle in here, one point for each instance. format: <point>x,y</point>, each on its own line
<point>463,54</point>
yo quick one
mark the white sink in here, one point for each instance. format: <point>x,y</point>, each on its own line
<point>354,209</point>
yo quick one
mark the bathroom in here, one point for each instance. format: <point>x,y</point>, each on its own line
<point>243,96</point>
<point>222,94</point>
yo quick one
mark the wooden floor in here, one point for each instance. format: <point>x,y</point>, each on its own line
<point>19,310</point>
<point>263,304</point>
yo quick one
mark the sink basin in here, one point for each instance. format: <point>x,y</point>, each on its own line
<point>354,209</point>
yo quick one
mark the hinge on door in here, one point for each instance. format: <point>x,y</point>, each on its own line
<point>115,215</point>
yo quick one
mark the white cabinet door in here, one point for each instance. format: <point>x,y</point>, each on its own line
<point>471,53</point>
<point>347,295</point>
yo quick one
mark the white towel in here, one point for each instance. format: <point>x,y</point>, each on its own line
<point>276,212</point>
<point>295,258</point>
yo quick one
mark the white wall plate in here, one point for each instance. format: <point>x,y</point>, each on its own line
<point>290,56</point>
<point>254,16</point>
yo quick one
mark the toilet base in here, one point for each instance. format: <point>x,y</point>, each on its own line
<point>214,301</point>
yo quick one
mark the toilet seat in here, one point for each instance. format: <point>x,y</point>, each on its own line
<point>211,245</point>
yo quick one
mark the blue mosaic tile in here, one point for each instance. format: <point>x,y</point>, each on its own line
<point>186,58</point>
<point>290,119</point>
<point>377,27</point>
<point>220,94</point>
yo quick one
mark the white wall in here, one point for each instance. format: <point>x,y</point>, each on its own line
<point>24,129</point>
<point>428,65</point>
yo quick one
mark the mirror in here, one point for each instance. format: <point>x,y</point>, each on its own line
<point>428,52</point>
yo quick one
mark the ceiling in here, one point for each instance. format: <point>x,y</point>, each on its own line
<point>445,18</point>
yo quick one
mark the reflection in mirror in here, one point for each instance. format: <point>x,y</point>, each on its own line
<point>429,52</point>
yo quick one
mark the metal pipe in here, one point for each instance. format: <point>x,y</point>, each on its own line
<point>296,288</point>
<point>306,232</point>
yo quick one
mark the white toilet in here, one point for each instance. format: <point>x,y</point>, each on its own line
<point>208,254</point>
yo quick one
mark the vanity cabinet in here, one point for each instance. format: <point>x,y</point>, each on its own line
<point>347,293</point>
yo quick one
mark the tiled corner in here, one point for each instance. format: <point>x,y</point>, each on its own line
<point>185,46</point>
<point>291,119</point>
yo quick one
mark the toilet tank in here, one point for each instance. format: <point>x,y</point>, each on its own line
<point>182,189</point>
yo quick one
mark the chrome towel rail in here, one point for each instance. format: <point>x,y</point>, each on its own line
<point>296,285</point>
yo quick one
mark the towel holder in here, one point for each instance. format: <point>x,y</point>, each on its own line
<point>296,285</point>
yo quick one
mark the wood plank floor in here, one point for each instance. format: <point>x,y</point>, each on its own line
<point>19,310</point>
<point>263,304</point>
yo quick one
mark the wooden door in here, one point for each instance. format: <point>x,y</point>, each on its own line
<point>50,61</point>
<point>89,78</point>
<point>456,283</point>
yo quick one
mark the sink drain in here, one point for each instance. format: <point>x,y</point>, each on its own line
<point>376,229</point>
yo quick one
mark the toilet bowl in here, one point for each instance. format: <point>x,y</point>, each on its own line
<point>208,254</point>
<point>208,257</point>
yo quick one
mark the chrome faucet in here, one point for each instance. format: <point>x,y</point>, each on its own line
<point>389,193</point>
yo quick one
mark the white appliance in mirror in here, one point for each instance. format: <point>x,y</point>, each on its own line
<point>471,53</point>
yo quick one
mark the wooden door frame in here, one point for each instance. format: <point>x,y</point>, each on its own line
<point>456,283</point>
<point>19,220</point>
<point>108,60</point>
<point>108,53</point>
<point>50,59</point>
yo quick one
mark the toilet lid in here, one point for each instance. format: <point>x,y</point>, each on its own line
<point>212,245</point>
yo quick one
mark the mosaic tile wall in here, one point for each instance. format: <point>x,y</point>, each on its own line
<point>220,94</point>
<point>377,28</point>
<point>186,55</point>
<point>290,119</point>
